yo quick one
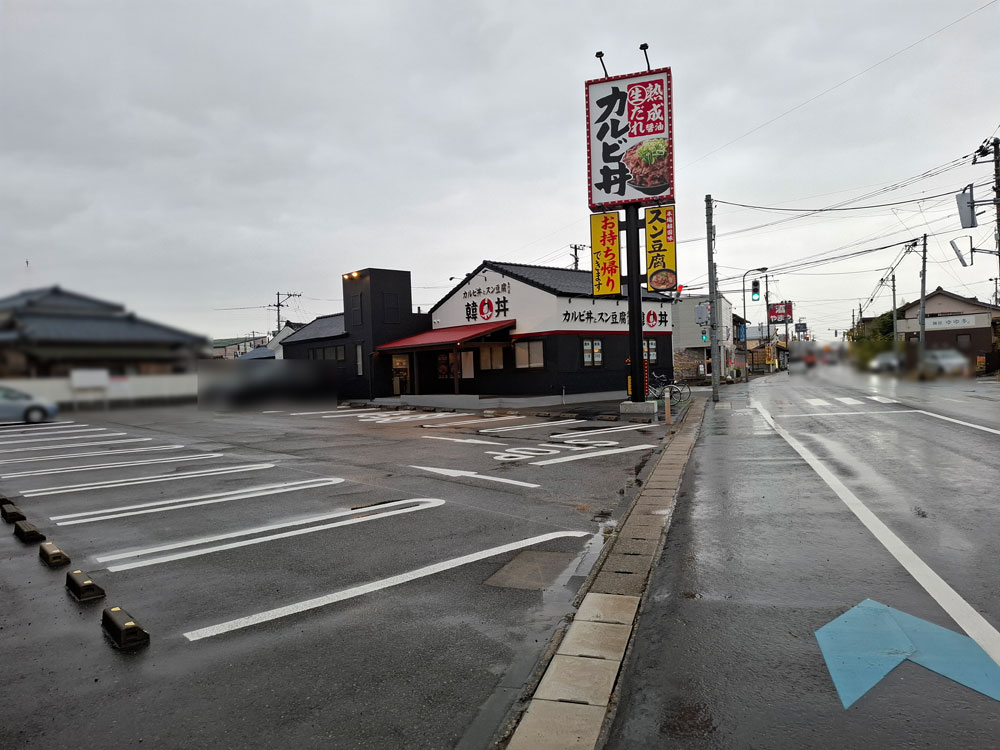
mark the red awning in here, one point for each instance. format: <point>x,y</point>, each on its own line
<point>451,336</point>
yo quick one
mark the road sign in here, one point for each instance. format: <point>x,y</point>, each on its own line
<point>870,640</point>
<point>801,327</point>
<point>702,313</point>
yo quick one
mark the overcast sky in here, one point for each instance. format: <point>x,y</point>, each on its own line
<point>181,157</point>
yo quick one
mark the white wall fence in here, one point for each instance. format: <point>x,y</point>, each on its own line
<point>117,388</point>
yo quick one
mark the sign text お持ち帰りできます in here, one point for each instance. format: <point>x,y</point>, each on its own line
<point>661,249</point>
<point>630,139</point>
<point>605,244</point>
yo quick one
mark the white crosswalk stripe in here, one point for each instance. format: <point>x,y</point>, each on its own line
<point>817,402</point>
<point>883,400</point>
<point>847,400</point>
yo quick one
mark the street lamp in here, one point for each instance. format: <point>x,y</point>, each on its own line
<point>746,353</point>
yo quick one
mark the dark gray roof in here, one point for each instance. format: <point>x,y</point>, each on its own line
<point>56,298</point>
<point>40,327</point>
<point>261,352</point>
<point>564,282</point>
<point>323,327</point>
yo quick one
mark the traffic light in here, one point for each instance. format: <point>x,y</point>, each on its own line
<point>755,290</point>
<point>704,335</point>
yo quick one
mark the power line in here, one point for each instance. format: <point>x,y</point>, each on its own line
<point>843,208</point>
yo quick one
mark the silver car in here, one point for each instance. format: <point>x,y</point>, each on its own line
<point>17,406</point>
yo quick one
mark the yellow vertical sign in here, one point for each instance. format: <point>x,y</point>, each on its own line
<point>661,249</point>
<point>606,253</point>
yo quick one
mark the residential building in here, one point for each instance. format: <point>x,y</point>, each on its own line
<point>691,340</point>
<point>954,322</point>
<point>52,331</point>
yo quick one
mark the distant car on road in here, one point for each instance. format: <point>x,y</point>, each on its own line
<point>886,362</point>
<point>17,406</point>
<point>944,362</point>
<point>797,366</point>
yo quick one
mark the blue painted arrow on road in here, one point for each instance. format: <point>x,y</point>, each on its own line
<point>870,640</point>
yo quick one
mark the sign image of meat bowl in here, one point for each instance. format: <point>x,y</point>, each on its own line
<point>630,149</point>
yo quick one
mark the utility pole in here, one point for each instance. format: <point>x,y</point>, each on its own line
<point>996,196</point>
<point>895,325</point>
<point>576,255</point>
<point>767,317</point>
<point>854,333</point>
<point>996,291</point>
<point>712,298</point>
<point>279,303</point>
<point>923,304</point>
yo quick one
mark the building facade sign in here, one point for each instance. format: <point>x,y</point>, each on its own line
<point>661,249</point>
<point>606,254</point>
<point>630,151</point>
<point>946,322</point>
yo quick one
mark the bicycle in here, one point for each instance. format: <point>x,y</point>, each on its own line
<point>661,386</point>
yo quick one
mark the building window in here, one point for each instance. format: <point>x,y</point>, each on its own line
<point>316,353</point>
<point>390,307</point>
<point>529,354</point>
<point>649,350</point>
<point>341,353</point>
<point>963,340</point>
<point>491,358</point>
<point>329,352</point>
<point>359,357</point>
<point>592,354</point>
<point>356,316</point>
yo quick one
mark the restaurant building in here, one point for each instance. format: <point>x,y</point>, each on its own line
<point>506,329</point>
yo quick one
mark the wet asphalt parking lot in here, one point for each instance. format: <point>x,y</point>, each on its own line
<point>320,579</point>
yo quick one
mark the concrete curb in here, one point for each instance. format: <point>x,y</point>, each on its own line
<point>574,703</point>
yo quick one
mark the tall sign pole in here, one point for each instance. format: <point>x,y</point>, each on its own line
<point>923,304</point>
<point>635,319</point>
<point>712,298</point>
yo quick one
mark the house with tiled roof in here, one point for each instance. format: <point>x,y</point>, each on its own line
<point>51,331</point>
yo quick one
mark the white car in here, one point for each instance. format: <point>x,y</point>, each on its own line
<point>944,362</point>
<point>17,406</point>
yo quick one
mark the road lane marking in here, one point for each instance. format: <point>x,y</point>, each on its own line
<point>958,421</point>
<point>161,506</point>
<point>817,402</point>
<point>62,436</point>
<point>45,428</point>
<point>883,399</point>
<point>371,413</point>
<point>847,413</point>
<point>471,421</point>
<point>511,428</point>
<point>112,465</point>
<point>591,454</point>
<point>419,504</point>
<point>602,431</point>
<point>393,417</point>
<point>115,483</point>
<point>77,445</point>
<point>461,440</point>
<point>88,454</point>
<point>967,618</point>
<point>367,588</point>
<point>473,475</point>
<point>849,401</point>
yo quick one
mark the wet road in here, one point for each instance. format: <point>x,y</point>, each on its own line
<point>321,579</point>
<point>765,549</point>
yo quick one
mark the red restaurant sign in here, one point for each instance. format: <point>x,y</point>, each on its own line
<point>780,312</point>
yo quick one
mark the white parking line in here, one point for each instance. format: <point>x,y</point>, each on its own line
<point>603,431</point>
<point>530,426</point>
<point>471,421</point>
<point>417,505</point>
<point>45,428</point>
<point>111,465</point>
<point>25,426</point>
<point>591,454</point>
<point>849,401</point>
<point>461,440</point>
<point>329,411</point>
<point>355,591</point>
<point>161,506</point>
<point>883,399</point>
<point>88,454</point>
<point>115,483</point>
<point>77,445</point>
<point>847,413</point>
<point>63,435</point>
<point>352,414</point>
<point>966,616</point>
<point>817,402</point>
<point>473,475</point>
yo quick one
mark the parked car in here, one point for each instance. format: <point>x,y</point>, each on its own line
<point>886,362</point>
<point>944,362</point>
<point>17,406</point>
